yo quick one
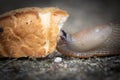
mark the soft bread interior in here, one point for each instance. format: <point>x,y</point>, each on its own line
<point>45,21</point>
<point>61,22</point>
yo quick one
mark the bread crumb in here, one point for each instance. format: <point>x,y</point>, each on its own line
<point>58,59</point>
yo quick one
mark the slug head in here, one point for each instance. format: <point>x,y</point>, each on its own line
<point>65,36</point>
<point>87,39</point>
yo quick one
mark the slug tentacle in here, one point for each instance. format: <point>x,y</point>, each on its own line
<point>96,41</point>
<point>65,36</point>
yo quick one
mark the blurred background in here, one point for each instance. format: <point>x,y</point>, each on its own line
<point>83,13</point>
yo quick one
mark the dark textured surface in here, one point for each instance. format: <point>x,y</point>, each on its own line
<point>102,68</point>
<point>83,13</point>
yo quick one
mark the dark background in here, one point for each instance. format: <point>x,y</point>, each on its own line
<point>83,13</point>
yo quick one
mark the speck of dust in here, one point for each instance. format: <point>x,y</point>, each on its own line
<point>58,59</point>
<point>97,30</point>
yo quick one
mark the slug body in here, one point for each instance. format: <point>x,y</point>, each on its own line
<point>89,38</point>
<point>87,43</point>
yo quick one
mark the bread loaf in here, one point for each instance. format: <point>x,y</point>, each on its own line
<point>30,32</point>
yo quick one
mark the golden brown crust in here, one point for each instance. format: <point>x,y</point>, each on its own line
<point>25,33</point>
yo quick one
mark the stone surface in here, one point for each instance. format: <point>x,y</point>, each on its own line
<point>97,68</point>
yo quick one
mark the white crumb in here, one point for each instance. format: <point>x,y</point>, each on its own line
<point>58,59</point>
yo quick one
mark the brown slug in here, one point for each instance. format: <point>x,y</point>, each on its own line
<point>95,41</point>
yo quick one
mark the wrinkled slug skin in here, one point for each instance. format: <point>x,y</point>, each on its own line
<point>101,40</point>
<point>89,38</point>
<point>30,32</point>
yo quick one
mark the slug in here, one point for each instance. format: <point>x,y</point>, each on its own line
<point>95,41</point>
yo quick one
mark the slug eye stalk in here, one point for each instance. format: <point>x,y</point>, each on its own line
<point>63,35</point>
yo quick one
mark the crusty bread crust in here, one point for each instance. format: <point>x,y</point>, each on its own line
<point>29,32</point>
